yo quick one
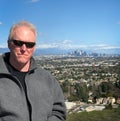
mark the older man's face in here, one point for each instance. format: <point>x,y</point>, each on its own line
<point>22,53</point>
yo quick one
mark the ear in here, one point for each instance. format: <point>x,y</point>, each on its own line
<point>9,45</point>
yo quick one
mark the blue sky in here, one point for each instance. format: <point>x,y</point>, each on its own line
<point>65,23</point>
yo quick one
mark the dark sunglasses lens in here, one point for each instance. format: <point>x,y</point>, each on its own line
<point>30,45</point>
<point>17,43</point>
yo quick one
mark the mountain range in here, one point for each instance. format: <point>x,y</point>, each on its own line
<point>48,51</point>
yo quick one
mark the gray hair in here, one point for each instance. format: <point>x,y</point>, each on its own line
<point>19,24</point>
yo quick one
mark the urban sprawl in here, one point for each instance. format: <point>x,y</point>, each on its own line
<point>88,82</point>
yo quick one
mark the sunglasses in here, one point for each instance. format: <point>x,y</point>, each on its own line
<point>21,43</point>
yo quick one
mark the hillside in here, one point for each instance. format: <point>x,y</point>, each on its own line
<point>105,115</point>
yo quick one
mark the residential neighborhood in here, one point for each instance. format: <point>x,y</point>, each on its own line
<point>89,83</point>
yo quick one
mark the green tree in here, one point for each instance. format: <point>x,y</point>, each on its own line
<point>65,85</point>
<point>81,91</point>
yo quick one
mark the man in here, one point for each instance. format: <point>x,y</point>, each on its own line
<point>27,92</point>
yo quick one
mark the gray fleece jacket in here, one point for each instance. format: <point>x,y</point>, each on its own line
<point>44,96</point>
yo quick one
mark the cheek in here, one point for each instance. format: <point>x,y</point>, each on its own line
<point>14,49</point>
<point>30,51</point>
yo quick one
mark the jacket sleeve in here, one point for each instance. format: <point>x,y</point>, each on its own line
<point>59,108</point>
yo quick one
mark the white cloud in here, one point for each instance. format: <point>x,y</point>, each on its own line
<point>65,44</point>
<point>68,44</point>
<point>109,47</point>
<point>4,45</point>
<point>33,1</point>
<point>45,46</point>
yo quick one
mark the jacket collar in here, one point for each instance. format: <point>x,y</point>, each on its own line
<point>3,68</point>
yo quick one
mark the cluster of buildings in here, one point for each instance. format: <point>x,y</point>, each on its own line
<point>90,70</point>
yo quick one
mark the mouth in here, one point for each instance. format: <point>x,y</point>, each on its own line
<point>22,54</point>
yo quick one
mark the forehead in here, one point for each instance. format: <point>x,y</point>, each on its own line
<point>23,32</point>
<point>23,29</point>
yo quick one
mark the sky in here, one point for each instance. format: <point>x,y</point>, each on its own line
<point>65,24</point>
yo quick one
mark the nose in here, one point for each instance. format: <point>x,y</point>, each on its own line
<point>23,47</point>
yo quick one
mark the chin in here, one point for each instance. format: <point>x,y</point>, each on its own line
<point>22,61</point>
